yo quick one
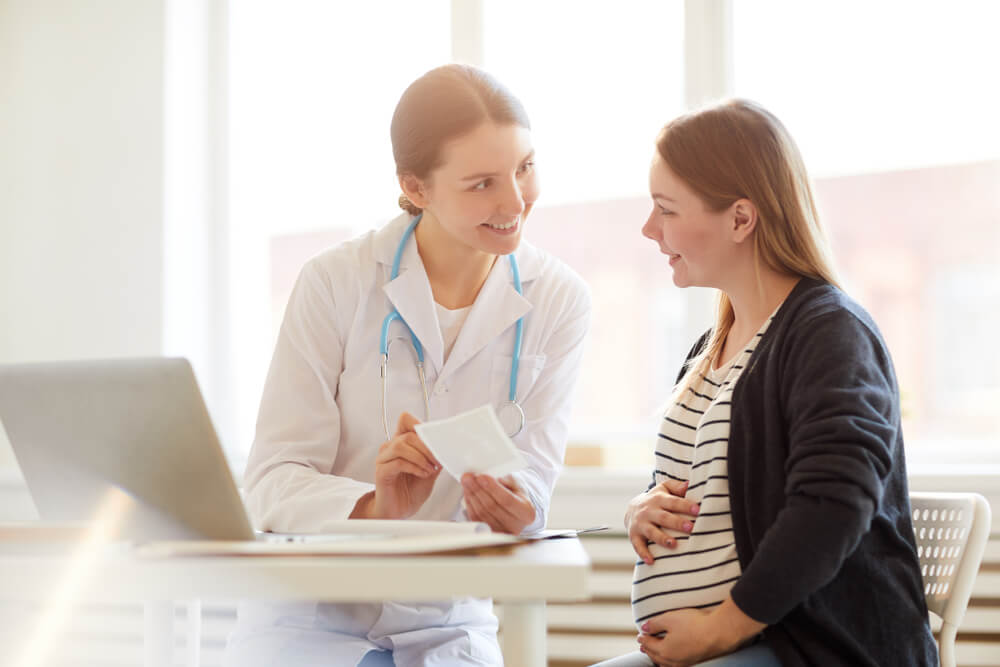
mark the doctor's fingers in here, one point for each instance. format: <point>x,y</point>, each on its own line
<point>389,470</point>
<point>406,423</point>
<point>415,453</point>
<point>410,441</point>
<point>512,511</point>
<point>509,482</point>
<point>513,500</point>
<point>481,511</point>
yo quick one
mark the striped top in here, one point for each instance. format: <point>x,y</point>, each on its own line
<point>693,446</point>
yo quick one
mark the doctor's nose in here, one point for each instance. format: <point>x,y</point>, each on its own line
<point>512,201</point>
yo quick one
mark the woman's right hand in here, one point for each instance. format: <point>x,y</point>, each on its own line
<point>660,508</point>
<point>405,472</point>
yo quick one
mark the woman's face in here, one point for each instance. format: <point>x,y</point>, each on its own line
<point>485,187</point>
<point>698,241</point>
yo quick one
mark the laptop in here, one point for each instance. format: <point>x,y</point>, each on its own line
<point>83,429</point>
<point>138,430</point>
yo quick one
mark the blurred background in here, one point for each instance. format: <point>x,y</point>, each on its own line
<point>167,166</point>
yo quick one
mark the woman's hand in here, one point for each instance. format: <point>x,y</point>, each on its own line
<point>691,636</point>
<point>661,507</point>
<point>498,502</point>
<point>405,472</point>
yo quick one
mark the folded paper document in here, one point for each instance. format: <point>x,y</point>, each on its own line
<point>472,441</point>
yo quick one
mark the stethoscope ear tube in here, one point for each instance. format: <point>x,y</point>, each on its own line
<point>384,372</point>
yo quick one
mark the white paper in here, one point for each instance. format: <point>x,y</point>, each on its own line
<point>473,441</point>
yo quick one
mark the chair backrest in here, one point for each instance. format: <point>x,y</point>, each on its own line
<point>952,530</point>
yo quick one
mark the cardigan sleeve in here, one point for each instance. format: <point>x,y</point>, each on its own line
<point>840,406</point>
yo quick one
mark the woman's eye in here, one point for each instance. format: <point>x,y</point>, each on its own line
<point>526,167</point>
<point>665,211</point>
<point>482,185</point>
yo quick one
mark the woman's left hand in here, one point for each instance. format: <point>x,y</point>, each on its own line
<point>695,635</point>
<point>686,641</point>
<point>500,503</point>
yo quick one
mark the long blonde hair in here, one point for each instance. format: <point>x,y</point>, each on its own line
<point>739,150</point>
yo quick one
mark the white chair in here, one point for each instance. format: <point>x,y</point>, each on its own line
<point>952,530</point>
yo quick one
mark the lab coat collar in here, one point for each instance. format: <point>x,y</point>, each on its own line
<point>410,293</point>
<point>498,305</point>
<point>497,308</point>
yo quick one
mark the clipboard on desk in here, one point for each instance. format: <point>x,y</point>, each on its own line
<point>556,534</point>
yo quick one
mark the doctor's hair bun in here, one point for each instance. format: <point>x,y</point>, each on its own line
<point>445,103</point>
<point>408,206</point>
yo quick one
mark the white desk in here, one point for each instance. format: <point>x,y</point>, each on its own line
<point>522,580</point>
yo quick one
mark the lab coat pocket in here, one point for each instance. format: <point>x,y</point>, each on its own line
<point>527,374</point>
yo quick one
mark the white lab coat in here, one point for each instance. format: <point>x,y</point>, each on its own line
<point>320,427</point>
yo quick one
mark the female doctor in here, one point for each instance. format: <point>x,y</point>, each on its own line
<point>495,321</point>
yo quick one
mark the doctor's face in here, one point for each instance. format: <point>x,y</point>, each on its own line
<point>693,237</point>
<point>485,187</point>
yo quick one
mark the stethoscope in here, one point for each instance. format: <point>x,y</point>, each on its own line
<point>510,414</point>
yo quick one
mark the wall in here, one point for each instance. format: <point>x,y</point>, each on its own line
<point>81,180</point>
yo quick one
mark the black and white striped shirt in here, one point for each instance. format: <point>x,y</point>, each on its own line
<point>692,446</point>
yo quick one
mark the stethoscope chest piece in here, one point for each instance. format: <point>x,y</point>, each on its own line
<point>511,418</point>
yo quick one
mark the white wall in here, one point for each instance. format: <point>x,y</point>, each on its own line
<point>81,180</point>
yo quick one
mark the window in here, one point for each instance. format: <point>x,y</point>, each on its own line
<point>893,106</point>
<point>312,90</point>
<point>891,103</point>
<point>597,97</point>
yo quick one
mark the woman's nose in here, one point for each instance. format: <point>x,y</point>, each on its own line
<point>651,230</point>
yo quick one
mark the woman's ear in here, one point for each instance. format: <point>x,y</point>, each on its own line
<point>744,219</point>
<point>414,189</point>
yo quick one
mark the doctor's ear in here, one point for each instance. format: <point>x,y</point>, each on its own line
<point>744,219</point>
<point>414,189</point>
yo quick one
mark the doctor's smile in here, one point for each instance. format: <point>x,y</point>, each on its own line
<point>512,227</point>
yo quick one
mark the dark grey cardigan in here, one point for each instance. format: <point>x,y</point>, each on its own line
<point>817,482</point>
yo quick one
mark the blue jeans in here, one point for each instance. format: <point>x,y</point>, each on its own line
<point>758,655</point>
<point>377,659</point>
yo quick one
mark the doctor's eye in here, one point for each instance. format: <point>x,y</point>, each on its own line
<point>483,184</point>
<point>526,167</point>
<point>664,211</point>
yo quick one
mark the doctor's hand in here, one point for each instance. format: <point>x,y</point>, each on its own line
<point>405,472</point>
<point>661,507</point>
<point>500,503</point>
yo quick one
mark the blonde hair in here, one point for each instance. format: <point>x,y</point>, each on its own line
<point>739,150</point>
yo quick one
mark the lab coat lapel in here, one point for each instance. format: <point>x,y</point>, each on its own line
<point>497,308</point>
<point>410,293</point>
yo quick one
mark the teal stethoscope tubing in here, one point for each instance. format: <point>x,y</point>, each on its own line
<point>384,343</point>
